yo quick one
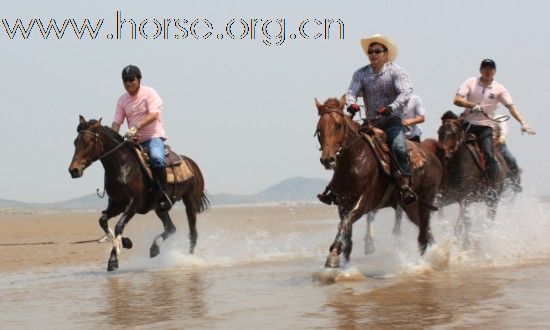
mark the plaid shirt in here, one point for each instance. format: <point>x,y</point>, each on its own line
<point>391,86</point>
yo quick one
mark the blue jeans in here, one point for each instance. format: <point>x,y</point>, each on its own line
<point>509,158</point>
<point>156,151</point>
<point>396,140</point>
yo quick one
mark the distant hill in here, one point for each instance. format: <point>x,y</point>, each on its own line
<point>296,189</point>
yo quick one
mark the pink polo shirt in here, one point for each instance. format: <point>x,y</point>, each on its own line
<point>487,96</point>
<point>135,108</point>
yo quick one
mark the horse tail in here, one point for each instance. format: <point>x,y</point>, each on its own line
<point>200,200</point>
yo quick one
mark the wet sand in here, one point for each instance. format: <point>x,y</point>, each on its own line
<point>254,267</point>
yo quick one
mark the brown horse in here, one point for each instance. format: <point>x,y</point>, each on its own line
<point>129,188</point>
<point>360,186</point>
<point>465,181</point>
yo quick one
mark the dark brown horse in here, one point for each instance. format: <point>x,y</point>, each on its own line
<point>465,181</point>
<point>129,188</point>
<point>360,186</point>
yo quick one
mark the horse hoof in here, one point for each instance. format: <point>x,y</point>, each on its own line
<point>154,251</point>
<point>127,243</point>
<point>333,261</point>
<point>112,265</point>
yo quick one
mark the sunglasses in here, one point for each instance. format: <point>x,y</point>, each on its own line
<point>375,51</point>
<point>128,79</point>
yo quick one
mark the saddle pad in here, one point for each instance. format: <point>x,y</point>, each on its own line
<point>177,168</point>
<point>417,157</point>
<point>178,173</point>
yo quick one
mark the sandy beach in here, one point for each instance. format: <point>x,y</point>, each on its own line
<point>45,239</point>
<point>262,267</point>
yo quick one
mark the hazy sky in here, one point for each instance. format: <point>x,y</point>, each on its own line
<point>244,110</point>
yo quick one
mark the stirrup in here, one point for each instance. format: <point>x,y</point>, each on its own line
<point>164,203</point>
<point>407,195</point>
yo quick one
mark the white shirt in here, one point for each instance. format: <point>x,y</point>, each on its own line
<point>487,96</point>
<point>412,109</point>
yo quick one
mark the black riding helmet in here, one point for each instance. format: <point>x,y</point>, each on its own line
<point>131,71</point>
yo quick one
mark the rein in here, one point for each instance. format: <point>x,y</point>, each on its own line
<point>96,135</point>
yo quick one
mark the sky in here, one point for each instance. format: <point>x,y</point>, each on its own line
<point>243,108</point>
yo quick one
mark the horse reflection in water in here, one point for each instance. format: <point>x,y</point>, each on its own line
<point>129,188</point>
<point>359,184</point>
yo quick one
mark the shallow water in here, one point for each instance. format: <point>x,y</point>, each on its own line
<point>265,271</point>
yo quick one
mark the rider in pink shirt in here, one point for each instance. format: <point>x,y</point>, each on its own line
<point>141,106</point>
<point>135,108</point>
<point>480,97</point>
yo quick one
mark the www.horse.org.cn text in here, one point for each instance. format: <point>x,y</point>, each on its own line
<point>269,31</point>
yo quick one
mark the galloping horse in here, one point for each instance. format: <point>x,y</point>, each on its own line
<point>465,181</point>
<point>360,186</point>
<point>129,188</point>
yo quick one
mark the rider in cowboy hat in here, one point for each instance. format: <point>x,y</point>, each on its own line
<point>386,90</point>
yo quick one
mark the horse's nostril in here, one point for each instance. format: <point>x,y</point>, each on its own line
<point>331,159</point>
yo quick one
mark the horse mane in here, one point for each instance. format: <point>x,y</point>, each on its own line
<point>331,103</point>
<point>112,134</point>
<point>449,115</point>
<point>105,129</point>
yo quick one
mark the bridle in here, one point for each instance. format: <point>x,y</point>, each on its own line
<point>460,131</point>
<point>323,112</point>
<point>96,141</point>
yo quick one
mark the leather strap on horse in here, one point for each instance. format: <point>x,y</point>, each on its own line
<point>384,167</point>
<point>475,154</point>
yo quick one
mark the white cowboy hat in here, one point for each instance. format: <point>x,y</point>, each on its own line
<point>390,45</point>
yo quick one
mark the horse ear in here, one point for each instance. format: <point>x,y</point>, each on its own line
<point>100,120</point>
<point>342,101</point>
<point>318,104</point>
<point>82,120</point>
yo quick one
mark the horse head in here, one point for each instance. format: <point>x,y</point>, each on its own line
<point>88,146</point>
<point>333,129</point>
<point>450,133</point>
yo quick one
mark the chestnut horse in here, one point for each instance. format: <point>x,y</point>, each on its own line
<point>465,181</point>
<point>129,188</point>
<point>360,186</point>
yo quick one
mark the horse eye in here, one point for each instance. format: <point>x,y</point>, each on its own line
<point>339,126</point>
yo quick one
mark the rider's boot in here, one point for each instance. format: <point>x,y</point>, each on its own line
<point>327,196</point>
<point>159,176</point>
<point>407,194</point>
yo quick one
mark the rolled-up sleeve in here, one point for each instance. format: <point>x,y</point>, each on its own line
<point>355,87</point>
<point>403,87</point>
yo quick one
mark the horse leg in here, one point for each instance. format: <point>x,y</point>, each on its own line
<point>463,223</point>
<point>491,203</point>
<point>116,238</point>
<point>397,223</point>
<point>169,229</point>
<point>369,234</point>
<point>425,237</point>
<point>191,212</point>
<point>342,242</point>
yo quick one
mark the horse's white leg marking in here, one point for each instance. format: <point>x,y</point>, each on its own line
<point>116,241</point>
<point>158,241</point>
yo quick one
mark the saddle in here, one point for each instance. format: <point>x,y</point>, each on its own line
<point>377,140</point>
<point>177,168</point>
